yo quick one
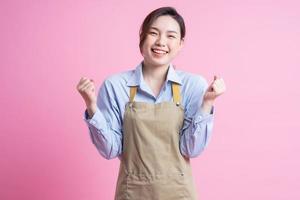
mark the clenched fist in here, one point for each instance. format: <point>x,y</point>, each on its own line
<point>86,88</point>
<point>215,89</point>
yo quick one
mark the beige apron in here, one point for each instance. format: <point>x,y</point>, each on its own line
<point>152,167</point>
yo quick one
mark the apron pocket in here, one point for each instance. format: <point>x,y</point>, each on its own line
<point>157,187</point>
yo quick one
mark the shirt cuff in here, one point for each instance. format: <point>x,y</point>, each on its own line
<point>95,120</point>
<point>202,116</point>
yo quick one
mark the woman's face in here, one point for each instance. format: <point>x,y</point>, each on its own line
<point>162,42</point>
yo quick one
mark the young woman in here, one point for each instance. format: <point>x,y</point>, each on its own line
<point>153,118</point>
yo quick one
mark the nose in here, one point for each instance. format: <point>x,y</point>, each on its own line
<point>160,41</point>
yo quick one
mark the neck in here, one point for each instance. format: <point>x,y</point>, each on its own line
<point>155,73</point>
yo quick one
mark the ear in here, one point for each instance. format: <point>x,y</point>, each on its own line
<point>181,43</point>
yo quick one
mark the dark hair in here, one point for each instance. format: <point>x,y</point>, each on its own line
<point>151,17</point>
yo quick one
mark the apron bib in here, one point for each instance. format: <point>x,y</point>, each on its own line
<point>152,167</point>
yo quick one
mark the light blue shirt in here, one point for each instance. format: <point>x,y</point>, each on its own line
<point>105,127</point>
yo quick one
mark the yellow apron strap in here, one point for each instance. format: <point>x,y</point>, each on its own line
<point>133,90</point>
<point>176,93</point>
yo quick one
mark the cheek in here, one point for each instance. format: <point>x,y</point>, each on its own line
<point>147,45</point>
<point>144,49</point>
<point>148,41</point>
<point>175,46</point>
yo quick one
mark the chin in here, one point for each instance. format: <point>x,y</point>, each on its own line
<point>158,63</point>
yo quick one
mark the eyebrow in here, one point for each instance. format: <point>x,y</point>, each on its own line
<point>169,31</point>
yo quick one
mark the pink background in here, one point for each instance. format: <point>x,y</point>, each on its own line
<point>46,46</point>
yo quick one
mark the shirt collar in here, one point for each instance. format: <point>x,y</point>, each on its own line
<point>137,79</point>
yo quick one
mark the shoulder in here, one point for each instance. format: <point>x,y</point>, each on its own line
<point>117,80</point>
<point>192,90</point>
<point>114,89</point>
<point>192,80</point>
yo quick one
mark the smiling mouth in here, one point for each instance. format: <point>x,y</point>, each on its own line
<point>159,51</point>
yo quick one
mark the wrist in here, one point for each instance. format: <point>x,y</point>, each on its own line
<point>91,109</point>
<point>208,103</point>
<point>207,106</point>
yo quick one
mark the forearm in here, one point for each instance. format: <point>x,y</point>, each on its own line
<point>207,106</point>
<point>108,147</point>
<point>106,140</point>
<point>196,135</point>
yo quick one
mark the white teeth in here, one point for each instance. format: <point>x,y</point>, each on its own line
<point>159,51</point>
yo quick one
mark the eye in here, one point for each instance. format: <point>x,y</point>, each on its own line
<point>152,33</point>
<point>171,36</point>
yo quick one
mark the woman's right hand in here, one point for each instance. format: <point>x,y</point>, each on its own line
<point>86,88</point>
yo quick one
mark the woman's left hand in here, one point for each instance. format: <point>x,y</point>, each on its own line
<point>215,89</point>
